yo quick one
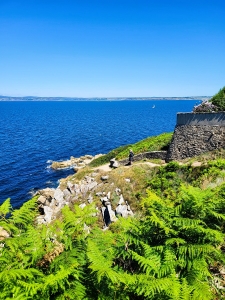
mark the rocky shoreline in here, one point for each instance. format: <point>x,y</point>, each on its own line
<point>74,162</point>
<point>84,192</point>
<point>51,201</point>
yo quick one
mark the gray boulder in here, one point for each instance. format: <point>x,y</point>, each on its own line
<point>108,215</point>
<point>112,161</point>
<point>58,195</point>
<point>70,187</point>
<point>3,234</point>
<point>48,193</point>
<point>124,210</point>
<point>90,199</point>
<point>41,200</point>
<point>66,192</point>
<point>98,194</point>
<point>104,199</point>
<point>48,212</point>
<point>82,205</point>
<point>121,201</point>
<point>84,189</point>
<point>118,191</point>
<point>92,185</point>
<point>116,164</point>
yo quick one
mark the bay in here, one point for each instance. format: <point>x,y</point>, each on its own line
<point>32,134</point>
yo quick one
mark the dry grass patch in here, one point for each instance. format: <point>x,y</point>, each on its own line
<point>133,188</point>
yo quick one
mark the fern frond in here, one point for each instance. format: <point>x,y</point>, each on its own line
<point>16,293</point>
<point>195,251</point>
<point>186,290</point>
<point>168,264</point>
<point>12,275</point>
<point>99,263</point>
<point>29,288</point>
<point>175,241</point>
<point>148,286</point>
<point>151,199</point>
<point>217,215</point>
<point>25,215</point>
<point>202,291</point>
<point>149,265</point>
<point>56,282</point>
<point>5,208</point>
<point>75,291</point>
<point>75,256</point>
<point>159,222</point>
<point>187,222</point>
<point>8,226</point>
<point>74,221</point>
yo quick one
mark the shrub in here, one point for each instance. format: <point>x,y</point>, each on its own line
<point>219,99</point>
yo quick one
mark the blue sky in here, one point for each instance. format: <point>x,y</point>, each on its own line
<point>119,48</point>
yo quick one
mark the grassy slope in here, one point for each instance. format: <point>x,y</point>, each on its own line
<point>154,143</point>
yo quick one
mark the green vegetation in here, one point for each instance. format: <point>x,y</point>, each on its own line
<point>172,249</point>
<point>104,159</point>
<point>219,99</point>
<point>154,143</point>
<point>215,104</point>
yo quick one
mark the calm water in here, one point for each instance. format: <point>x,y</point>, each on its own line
<point>32,134</point>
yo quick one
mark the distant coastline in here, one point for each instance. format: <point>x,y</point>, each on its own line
<point>33,98</point>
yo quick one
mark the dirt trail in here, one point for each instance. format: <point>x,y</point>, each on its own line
<point>106,167</point>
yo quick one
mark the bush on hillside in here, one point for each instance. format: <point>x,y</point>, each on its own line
<point>215,104</point>
<point>219,99</point>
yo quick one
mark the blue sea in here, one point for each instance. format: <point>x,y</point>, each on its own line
<point>33,134</point>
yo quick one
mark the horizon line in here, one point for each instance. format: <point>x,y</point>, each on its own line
<point>116,97</point>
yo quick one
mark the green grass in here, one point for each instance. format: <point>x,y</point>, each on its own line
<point>104,159</point>
<point>154,143</point>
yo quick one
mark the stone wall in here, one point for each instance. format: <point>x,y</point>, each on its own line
<point>195,134</point>
<point>148,155</point>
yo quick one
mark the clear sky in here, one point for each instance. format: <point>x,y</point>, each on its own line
<point>112,48</point>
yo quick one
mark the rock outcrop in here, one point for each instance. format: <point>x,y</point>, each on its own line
<point>51,201</point>
<point>74,162</point>
<point>3,234</point>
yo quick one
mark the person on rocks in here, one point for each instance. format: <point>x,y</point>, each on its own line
<point>131,157</point>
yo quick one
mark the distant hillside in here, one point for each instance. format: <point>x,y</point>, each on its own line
<point>33,98</point>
